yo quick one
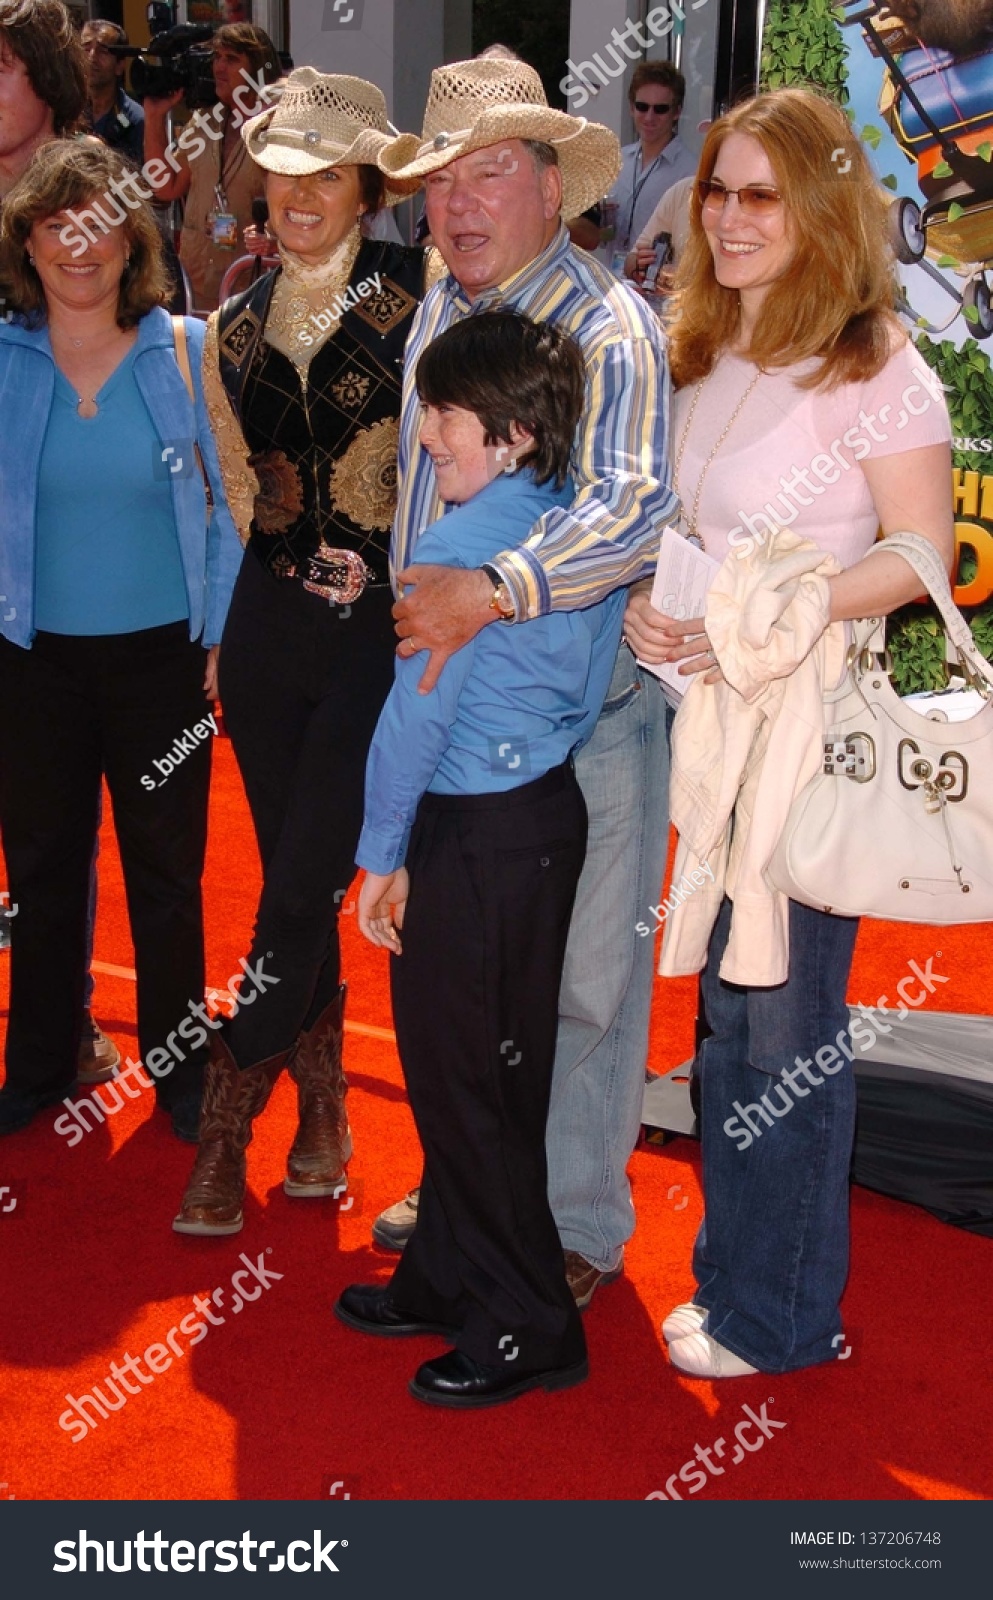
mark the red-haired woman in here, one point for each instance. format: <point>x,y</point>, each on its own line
<point>801,401</point>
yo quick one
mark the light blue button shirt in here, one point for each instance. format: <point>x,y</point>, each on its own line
<point>509,706</point>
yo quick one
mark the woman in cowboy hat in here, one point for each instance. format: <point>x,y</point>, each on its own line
<point>303,373</point>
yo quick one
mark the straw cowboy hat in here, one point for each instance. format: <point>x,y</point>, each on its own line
<point>322,120</point>
<point>473,104</point>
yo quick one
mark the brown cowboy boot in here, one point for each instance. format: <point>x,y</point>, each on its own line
<point>232,1100</point>
<point>316,1162</point>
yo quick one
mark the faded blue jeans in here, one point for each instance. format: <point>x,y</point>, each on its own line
<point>771,1257</point>
<point>606,993</point>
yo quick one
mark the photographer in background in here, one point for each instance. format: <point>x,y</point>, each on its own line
<point>115,118</point>
<point>220,181</point>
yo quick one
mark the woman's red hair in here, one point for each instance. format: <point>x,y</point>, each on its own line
<point>835,300</point>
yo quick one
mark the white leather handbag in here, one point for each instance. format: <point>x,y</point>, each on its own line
<point>899,824</point>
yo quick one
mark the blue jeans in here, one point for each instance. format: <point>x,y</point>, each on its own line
<point>771,1257</point>
<point>606,994</point>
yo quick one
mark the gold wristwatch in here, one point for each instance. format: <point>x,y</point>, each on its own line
<point>501,601</point>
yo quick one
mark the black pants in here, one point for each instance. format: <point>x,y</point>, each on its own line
<point>475,1004</point>
<point>302,683</point>
<point>73,710</point>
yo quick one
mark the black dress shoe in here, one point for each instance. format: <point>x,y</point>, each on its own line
<point>369,1308</point>
<point>17,1110</point>
<point>455,1379</point>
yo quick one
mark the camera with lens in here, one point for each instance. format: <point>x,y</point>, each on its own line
<point>178,57</point>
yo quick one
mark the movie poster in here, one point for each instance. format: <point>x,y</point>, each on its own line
<point>916,77</point>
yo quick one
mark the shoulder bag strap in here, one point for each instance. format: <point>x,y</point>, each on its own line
<point>183,363</point>
<point>921,554</point>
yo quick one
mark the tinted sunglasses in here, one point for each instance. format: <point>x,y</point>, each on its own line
<point>755,199</point>
<point>649,105</point>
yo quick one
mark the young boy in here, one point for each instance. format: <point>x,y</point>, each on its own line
<point>474,839</point>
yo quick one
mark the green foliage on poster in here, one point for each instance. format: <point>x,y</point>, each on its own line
<point>802,44</point>
<point>917,640</point>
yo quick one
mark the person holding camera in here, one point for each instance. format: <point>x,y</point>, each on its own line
<point>219,180</point>
<point>115,118</point>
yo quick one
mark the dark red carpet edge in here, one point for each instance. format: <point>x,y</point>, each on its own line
<point>279,1400</point>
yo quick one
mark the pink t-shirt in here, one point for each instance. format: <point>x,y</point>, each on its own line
<point>792,456</point>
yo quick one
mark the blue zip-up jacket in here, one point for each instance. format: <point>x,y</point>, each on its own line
<point>27,386</point>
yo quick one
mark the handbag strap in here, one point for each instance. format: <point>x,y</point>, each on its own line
<point>183,363</point>
<point>183,355</point>
<point>921,554</point>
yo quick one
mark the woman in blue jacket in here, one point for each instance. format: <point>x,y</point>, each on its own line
<point>115,584</point>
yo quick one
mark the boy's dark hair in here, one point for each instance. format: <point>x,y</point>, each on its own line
<point>504,368</point>
<point>41,34</point>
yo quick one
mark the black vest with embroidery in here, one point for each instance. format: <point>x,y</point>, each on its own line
<point>325,452</point>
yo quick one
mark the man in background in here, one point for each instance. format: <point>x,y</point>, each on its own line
<point>218,182</point>
<point>114,117</point>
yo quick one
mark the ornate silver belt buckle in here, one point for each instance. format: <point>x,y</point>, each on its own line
<point>354,575</point>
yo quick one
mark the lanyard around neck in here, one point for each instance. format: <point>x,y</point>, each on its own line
<point>636,188</point>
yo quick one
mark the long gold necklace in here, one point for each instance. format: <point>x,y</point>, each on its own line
<point>692,517</point>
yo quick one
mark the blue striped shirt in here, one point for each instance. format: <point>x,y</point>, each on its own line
<point>608,537</point>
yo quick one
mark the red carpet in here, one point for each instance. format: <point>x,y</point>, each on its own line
<point>280,1401</point>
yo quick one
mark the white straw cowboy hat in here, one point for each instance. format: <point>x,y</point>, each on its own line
<point>473,104</point>
<point>322,120</point>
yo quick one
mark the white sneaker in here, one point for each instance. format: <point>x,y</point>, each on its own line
<point>685,1319</point>
<point>394,1226</point>
<point>702,1357</point>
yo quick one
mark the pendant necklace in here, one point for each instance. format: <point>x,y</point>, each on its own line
<point>691,516</point>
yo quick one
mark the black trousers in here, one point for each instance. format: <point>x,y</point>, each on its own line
<point>73,710</point>
<point>475,1003</point>
<point>302,683</point>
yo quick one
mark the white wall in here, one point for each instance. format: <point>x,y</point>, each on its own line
<point>393,43</point>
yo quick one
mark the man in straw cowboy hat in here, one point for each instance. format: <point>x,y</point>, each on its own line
<point>501,169</point>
